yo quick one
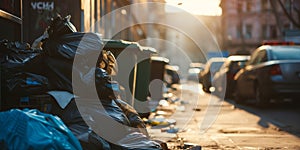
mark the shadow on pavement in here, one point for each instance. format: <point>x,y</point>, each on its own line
<point>279,116</point>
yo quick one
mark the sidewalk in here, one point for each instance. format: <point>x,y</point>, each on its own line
<point>188,110</point>
<point>206,121</point>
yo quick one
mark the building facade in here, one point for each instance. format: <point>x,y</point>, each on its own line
<point>246,23</point>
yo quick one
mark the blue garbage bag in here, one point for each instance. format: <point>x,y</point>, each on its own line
<point>31,129</point>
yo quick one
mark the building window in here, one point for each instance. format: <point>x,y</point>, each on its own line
<point>248,34</point>
<point>238,32</point>
<point>273,31</point>
<point>264,31</point>
<point>264,4</point>
<point>249,6</point>
<point>239,6</point>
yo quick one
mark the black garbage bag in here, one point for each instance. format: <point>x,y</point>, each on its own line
<point>85,134</point>
<point>69,45</point>
<point>88,139</point>
<point>60,26</point>
<point>136,141</point>
<point>106,87</point>
<point>59,74</point>
<point>26,84</point>
<point>109,89</point>
<point>60,53</point>
<point>6,46</point>
<point>17,59</point>
<point>104,121</point>
<point>19,56</point>
<point>134,118</point>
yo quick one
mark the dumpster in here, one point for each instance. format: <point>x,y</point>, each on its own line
<point>134,70</point>
<point>157,73</point>
<point>143,81</point>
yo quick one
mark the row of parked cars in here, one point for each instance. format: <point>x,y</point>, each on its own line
<point>270,73</point>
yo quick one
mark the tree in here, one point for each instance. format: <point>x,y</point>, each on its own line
<point>294,8</point>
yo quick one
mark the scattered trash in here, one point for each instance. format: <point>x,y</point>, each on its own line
<point>180,108</point>
<point>191,146</point>
<point>197,109</point>
<point>171,121</point>
<point>158,120</point>
<point>182,102</point>
<point>167,95</point>
<point>161,121</point>
<point>170,129</point>
<point>163,103</point>
<point>164,113</point>
<point>174,99</point>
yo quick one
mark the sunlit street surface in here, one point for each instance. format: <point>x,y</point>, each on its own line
<point>236,126</point>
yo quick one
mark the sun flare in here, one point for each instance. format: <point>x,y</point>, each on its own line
<point>197,7</point>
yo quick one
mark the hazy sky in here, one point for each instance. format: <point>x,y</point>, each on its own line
<point>197,7</point>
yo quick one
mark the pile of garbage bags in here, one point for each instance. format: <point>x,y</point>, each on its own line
<point>74,74</point>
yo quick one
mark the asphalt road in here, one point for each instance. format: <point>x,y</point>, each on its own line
<point>214,123</point>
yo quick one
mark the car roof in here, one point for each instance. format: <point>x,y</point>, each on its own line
<point>275,47</point>
<point>238,57</point>
<point>217,59</point>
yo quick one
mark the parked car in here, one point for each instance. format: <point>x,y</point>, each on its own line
<point>223,79</point>
<point>273,72</point>
<point>211,67</point>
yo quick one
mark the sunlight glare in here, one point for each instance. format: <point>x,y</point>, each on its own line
<point>197,7</point>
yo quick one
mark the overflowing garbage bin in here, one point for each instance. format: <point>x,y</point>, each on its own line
<point>70,85</point>
<point>133,71</point>
<point>157,75</point>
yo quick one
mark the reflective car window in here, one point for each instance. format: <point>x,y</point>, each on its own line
<point>285,54</point>
<point>234,67</point>
<point>253,58</point>
<point>261,57</point>
<point>215,66</point>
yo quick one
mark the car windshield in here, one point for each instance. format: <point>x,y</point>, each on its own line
<point>286,54</point>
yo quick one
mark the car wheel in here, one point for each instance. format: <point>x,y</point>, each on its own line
<point>261,100</point>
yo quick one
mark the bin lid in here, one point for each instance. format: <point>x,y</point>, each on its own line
<point>159,58</point>
<point>172,67</point>
<point>150,50</point>
<point>120,44</point>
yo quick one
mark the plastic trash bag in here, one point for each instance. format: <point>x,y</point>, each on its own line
<point>134,118</point>
<point>31,129</point>
<point>137,141</point>
<point>18,55</point>
<point>88,139</point>
<point>59,74</point>
<point>107,125</point>
<point>60,53</point>
<point>106,87</point>
<point>60,26</point>
<point>25,84</point>
<point>69,45</point>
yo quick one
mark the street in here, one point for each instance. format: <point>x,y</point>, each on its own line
<point>217,124</point>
